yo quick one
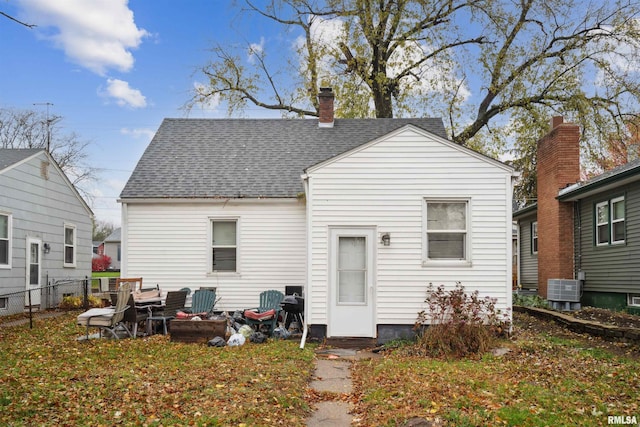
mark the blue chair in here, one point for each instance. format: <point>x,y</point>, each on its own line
<point>266,315</point>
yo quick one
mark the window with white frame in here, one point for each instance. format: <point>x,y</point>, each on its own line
<point>534,237</point>
<point>610,222</point>
<point>617,220</point>
<point>4,303</point>
<point>69,245</point>
<point>5,240</point>
<point>446,230</point>
<point>224,246</point>
<point>634,300</point>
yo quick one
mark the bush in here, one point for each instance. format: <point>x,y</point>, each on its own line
<point>459,324</point>
<point>100,263</point>
<point>530,301</point>
<point>75,302</point>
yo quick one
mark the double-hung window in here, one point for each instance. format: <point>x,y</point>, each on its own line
<point>5,240</point>
<point>534,237</point>
<point>69,245</point>
<point>610,222</point>
<point>224,245</point>
<point>446,230</point>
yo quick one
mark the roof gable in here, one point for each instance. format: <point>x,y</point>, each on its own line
<point>11,157</point>
<point>236,158</point>
<point>410,127</point>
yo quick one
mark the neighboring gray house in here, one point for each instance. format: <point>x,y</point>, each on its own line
<point>362,213</point>
<point>45,227</point>
<point>112,249</point>
<point>587,230</point>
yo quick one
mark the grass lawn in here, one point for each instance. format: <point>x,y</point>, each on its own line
<point>47,377</point>
<point>96,274</point>
<point>549,378</point>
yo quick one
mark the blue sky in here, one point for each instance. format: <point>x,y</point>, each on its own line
<point>113,70</point>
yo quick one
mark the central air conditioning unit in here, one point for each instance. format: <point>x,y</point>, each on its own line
<point>564,294</point>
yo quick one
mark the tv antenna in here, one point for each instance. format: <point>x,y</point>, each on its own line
<point>48,123</point>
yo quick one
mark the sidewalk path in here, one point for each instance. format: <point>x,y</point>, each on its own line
<point>333,375</point>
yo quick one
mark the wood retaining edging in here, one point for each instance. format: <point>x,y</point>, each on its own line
<point>608,332</point>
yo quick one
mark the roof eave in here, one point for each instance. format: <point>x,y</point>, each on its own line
<point>570,194</point>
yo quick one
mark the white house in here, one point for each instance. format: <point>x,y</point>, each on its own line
<point>45,228</point>
<point>362,213</point>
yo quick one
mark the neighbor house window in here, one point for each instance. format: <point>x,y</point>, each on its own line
<point>69,245</point>
<point>4,303</point>
<point>534,237</point>
<point>5,240</point>
<point>446,230</point>
<point>224,246</point>
<point>610,222</point>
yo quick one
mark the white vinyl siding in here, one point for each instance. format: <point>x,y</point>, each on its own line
<point>170,244</point>
<point>384,185</point>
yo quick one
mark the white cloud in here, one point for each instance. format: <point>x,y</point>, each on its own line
<point>123,94</point>
<point>206,102</point>
<point>143,133</point>
<point>137,133</point>
<point>96,34</point>
<point>255,49</point>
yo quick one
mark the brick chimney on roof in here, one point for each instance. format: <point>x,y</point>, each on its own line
<point>558,165</point>
<point>325,99</point>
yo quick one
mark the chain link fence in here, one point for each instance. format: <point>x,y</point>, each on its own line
<point>38,301</point>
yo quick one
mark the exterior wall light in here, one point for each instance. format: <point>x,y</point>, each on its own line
<point>46,248</point>
<point>386,239</point>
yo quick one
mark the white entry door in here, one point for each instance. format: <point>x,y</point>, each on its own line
<point>34,269</point>
<point>352,266</point>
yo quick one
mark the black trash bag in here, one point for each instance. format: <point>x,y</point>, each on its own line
<point>217,342</point>
<point>258,337</point>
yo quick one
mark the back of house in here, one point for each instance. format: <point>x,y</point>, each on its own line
<point>358,214</point>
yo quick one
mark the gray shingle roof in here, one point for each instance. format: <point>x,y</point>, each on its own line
<point>10,156</point>
<point>248,157</point>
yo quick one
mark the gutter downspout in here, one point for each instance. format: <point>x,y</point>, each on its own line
<point>307,294</point>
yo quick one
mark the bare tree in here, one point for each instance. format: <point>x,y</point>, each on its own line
<point>32,129</point>
<point>496,70</point>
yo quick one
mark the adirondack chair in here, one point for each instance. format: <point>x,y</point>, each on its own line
<point>174,302</point>
<point>266,315</point>
<point>108,319</point>
<point>202,302</point>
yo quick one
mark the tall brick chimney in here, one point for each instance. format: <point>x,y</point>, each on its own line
<point>558,165</point>
<point>325,99</point>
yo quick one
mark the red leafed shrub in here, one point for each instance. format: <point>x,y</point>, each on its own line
<point>100,263</point>
<point>460,324</point>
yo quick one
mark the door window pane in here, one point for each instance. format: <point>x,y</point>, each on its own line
<point>34,263</point>
<point>352,269</point>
